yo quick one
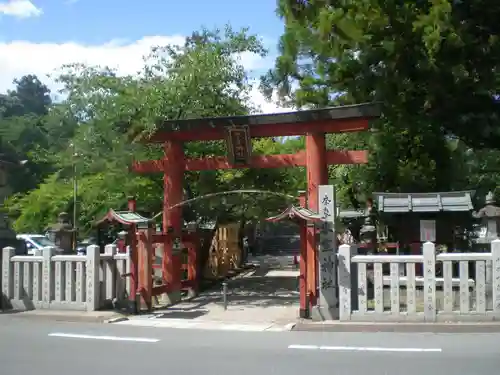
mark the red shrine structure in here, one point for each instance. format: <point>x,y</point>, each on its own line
<point>237,132</point>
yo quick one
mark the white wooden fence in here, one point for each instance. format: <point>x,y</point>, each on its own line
<point>76,282</point>
<point>409,298</point>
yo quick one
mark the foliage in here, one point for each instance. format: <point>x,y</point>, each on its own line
<point>431,68</point>
<point>429,65</point>
<point>26,126</point>
<point>201,78</point>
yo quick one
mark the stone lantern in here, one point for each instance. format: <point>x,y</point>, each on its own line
<point>368,231</point>
<point>121,243</point>
<point>490,218</point>
<point>62,233</point>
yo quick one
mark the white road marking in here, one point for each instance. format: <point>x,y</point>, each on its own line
<point>313,347</point>
<point>365,349</point>
<point>109,338</point>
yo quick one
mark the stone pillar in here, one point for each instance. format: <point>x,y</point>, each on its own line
<point>429,253</point>
<point>7,276</point>
<point>93,287</point>
<point>495,260</point>
<point>489,277</point>
<point>47,277</point>
<point>328,284</point>
<point>110,274</point>
<point>347,276</point>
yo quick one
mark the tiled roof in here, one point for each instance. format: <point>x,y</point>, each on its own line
<point>424,202</point>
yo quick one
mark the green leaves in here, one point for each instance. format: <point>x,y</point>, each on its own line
<point>97,132</point>
<point>433,66</point>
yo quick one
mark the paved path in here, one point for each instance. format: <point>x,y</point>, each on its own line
<point>45,348</point>
<point>262,300</point>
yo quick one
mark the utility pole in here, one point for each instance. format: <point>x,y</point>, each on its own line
<point>75,195</point>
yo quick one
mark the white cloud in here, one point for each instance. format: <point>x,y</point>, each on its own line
<point>18,58</point>
<point>20,9</point>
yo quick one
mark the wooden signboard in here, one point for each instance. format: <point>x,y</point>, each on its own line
<point>239,145</point>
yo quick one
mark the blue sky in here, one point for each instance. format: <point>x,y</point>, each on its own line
<point>37,36</point>
<point>97,21</point>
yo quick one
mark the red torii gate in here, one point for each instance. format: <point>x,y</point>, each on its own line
<point>238,131</point>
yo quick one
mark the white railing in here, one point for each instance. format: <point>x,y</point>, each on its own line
<point>77,282</point>
<point>365,294</point>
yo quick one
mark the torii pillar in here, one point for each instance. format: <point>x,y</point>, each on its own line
<point>304,310</point>
<point>317,174</point>
<point>172,217</point>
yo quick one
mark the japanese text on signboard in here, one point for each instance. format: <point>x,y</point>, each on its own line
<point>239,145</point>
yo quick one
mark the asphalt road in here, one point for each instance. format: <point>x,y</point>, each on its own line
<point>30,347</point>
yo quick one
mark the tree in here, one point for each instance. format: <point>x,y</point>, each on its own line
<point>433,70</point>
<point>27,130</point>
<point>428,59</point>
<point>201,78</point>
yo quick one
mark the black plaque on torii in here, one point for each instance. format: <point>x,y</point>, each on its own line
<point>239,145</point>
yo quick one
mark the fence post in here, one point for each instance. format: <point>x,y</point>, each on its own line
<point>345,281</point>
<point>429,253</point>
<point>110,273</point>
<point>7,274</point>
<point>92,277</point>
<point>47,276</point>
<point>354,279</point>
<point>495,261</point>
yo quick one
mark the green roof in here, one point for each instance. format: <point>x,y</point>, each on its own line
<point>124,217</point>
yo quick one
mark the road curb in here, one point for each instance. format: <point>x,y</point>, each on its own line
<point>58,317</point>
<point>398,327</point>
